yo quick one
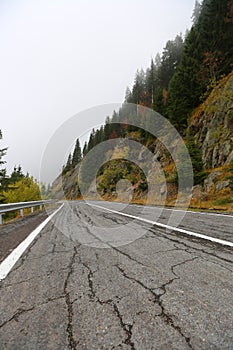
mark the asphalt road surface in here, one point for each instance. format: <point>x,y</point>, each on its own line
<point>95,279</point>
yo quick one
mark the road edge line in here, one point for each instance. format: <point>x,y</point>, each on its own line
<point>8,263</point>
<point>176,229</point>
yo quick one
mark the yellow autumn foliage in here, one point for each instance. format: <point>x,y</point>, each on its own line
<point>24,190</point>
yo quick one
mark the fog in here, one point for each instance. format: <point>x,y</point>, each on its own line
<point>61,57</point>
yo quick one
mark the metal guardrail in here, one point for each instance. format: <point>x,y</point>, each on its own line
<point>4,208</point>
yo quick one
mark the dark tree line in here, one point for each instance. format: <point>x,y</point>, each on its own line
<point>177,81</point>
<point>206,56</point>
<point>150,88</point>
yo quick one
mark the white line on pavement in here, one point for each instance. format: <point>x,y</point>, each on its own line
<point>176,229</point>
<point>226,215</point>
<point>185,211</point>
<point>13,257</point>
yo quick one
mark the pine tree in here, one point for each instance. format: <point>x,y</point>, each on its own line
<point>127,94</point>
<point>170,59</point>
<point>77,154</point>
<point>196,158</point>
<point>150,84</point>
<point>69,162</point>
<point>85,149</point>
<point>16,175</point>
<point>196,12</point>
<point>138,91</point>
<point>215,26</point>
<point>107,128</point>
<point>184,89</point>
<point>68,165</point>
<point>91,142</point>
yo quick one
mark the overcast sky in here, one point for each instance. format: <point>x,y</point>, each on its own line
<point>59,57</point>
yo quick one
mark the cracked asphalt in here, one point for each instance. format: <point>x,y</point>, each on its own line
<point>97,280</point>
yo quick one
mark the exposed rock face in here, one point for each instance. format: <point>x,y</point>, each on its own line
<point>221,185</point>
<point>210,181</point>
<point>212,125</point>
<point>214,183</point>
<point>66,187</point>
<point>197,193</point>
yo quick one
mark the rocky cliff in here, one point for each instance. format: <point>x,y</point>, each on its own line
<point>212,125</point>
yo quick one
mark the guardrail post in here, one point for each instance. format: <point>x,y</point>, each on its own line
<point>0,219</point>
<point>41,207</point>
<point>22,213</point>
<point>32,209</point>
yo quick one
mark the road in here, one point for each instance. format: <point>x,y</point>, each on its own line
<point>12,234</point>
<point>95,279</point>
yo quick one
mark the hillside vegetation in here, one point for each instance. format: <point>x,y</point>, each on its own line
<point>191,85</point>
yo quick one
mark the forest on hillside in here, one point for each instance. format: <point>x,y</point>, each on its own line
<point>175,85</point>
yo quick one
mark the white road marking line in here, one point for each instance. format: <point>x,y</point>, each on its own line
<point>183,211</point>
<point>13,257</point>
<point>200,212</point>
<point>176,229</point>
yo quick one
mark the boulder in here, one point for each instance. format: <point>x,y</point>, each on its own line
<point>210,181</point>
<point>221,185</point>
<point>198,193</point>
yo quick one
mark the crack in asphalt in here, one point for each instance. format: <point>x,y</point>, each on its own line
<point>48,273</point>
<point>48,253</point>
<point>188,250</point>
<point>120,251</point>
<point>216,263</point>
<point>157,293</point>
<point>21,311</point>
<point>69,304</point>
<point>168,319</point>
<point>90,282</point>
<point>188,247</point>
<point>92,295</point>
<point>130,257</point>
<point>117,221</point>
<point>126,254</point>
<point>54,241</point>
<point>126,327</point>
<point>26,253</point>
<point>139,262</point>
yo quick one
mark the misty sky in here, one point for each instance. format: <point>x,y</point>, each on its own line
<point>61,57</point>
